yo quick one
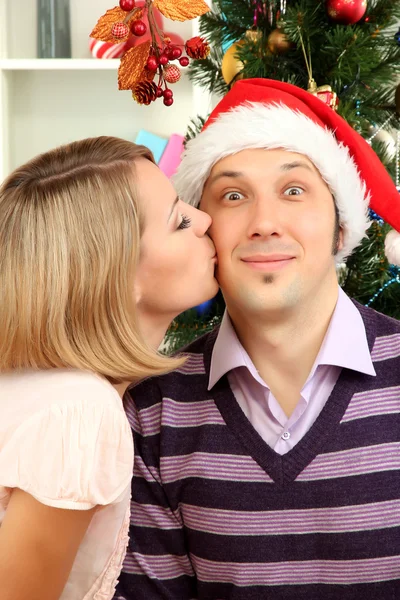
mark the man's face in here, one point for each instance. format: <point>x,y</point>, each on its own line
<point>274,230</point>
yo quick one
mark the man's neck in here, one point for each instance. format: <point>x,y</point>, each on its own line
<point>284,349</point>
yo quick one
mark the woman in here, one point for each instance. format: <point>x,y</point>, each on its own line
<point>97,256</point>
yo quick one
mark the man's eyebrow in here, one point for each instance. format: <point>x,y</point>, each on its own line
<point>173,207</point>
<point>237,174</point>
<point>294,165</point>
<point>233,174</point>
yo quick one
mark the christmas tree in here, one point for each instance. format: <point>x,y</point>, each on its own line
<point>348,53</point>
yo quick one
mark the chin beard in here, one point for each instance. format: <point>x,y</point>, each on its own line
<point>268,279</point>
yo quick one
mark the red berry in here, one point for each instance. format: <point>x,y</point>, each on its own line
<point>168,101</point>
<point>167,50</point>
<point>184,61</point>
<point>152,63</point>
<point>127,5</point>
<point>168,93</point>
<point>163,60</point>
<point>138,28</point>
<point>120,30</point>
<point>159,92</point>
<point>175,53</point>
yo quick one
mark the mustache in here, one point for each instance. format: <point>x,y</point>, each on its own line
<point>269,247</point>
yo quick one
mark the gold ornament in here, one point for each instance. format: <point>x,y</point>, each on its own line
<point>324,93</point>
<point>231,65</point>
<point>253,35</point>
<point>278,42</point>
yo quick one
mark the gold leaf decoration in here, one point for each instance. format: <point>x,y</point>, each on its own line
<point>147,75</point>
<point>132,65</point>
<point>181,10</point>
<point>102,30</point>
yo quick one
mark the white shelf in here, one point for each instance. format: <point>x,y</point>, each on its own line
<point>59,64</point>
<point>64,64</point>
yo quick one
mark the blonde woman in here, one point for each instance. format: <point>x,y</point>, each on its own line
<point>97,256</point>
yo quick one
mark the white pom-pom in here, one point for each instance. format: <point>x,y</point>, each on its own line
<point>392,247</point>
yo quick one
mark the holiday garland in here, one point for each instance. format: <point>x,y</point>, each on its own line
<point>142,64</point>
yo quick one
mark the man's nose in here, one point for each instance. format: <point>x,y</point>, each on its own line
<point>265,219</point>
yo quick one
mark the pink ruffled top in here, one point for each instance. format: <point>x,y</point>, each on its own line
<point>65,439</point>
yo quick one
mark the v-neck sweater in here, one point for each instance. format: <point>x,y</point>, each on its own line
<point>217,514</point>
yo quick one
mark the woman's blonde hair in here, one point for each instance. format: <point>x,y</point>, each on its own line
<point>70,226</point>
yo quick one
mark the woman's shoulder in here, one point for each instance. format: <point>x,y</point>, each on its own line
<point>70,444</point>
<point>34,390</point>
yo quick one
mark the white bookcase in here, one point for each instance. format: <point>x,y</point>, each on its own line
<point>47,102</point>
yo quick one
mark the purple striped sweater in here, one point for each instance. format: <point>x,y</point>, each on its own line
<point>217,514</point>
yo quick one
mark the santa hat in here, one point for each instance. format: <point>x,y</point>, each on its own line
<point>263,113</point>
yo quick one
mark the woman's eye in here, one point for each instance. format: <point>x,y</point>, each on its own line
<point>293,191</point>
<point>185,223</point>
<point>232,196</point>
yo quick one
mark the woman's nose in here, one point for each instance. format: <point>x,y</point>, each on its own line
<point>202,222</point>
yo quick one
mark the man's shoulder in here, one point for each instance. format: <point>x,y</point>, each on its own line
<point>377,323</point>
<point>201,344</point>
<point>185,383</point>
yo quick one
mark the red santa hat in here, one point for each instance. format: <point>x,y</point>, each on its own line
<point>263,113</point>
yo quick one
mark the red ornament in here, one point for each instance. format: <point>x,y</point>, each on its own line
<point>120,30</point>
<point>171,73</point>
<point>152,63</point>
<point>101,49</point>
<point>168,101</point>
<point>346,12</point>
<point>168,93</point>
<point>159,92</point>
<point>163,60</point>
<point>127,5</point>
<point>197,47</point>
<point>138,28</point>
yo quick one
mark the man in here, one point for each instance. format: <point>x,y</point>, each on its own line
<point>269,465</point>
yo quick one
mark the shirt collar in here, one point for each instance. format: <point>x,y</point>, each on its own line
<point>345,345</point>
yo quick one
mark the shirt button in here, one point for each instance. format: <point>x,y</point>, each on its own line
<point>285,435</point>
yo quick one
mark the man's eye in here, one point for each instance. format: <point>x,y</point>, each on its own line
<point>293,191</point>
<point>232,196</point>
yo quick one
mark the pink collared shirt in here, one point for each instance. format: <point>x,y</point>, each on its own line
<point>345,345</point>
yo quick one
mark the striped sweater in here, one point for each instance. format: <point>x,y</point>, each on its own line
<point>217,514</point>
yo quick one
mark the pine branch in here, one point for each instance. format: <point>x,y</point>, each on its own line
<point>194,128</point>
<point>207,72</point>
<point>220,31</point>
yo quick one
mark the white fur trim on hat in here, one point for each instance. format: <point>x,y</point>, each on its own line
<point>392,247</point>
<point>258,125</point>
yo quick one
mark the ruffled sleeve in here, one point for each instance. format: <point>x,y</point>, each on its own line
<point>75,454</point>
